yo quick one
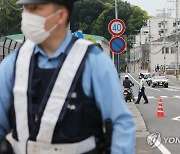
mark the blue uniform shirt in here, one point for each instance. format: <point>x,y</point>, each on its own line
<point>99,79</point>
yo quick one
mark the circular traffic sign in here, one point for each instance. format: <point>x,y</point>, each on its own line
<point>116,27</point>
<point>117,45</point>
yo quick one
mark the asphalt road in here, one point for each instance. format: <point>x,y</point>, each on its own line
<point>168,128</point>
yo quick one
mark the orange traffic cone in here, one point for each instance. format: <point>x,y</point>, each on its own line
<point>160,112</point>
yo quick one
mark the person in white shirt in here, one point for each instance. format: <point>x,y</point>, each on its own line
<point>142,91</point>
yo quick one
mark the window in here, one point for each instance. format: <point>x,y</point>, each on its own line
<point>145,32</point>
<point>167,50</point>
<point>173,50</point>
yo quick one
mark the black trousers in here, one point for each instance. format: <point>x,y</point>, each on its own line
<point>142,93</point>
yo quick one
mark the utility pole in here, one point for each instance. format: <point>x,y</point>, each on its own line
<point>149,41</point>
<point>139,46</point>
<point>134,56</point>
<point>140,50</point>
<point>126,59</point>
<point>164,40</point>
<point>177,43</point>
<point>134,49</point>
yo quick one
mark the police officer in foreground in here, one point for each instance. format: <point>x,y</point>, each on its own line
<point>61,90</point>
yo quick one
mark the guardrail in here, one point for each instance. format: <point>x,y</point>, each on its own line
<point>7,45</point>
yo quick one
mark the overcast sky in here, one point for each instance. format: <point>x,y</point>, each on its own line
<point>152,6</point>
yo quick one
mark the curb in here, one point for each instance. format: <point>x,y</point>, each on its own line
<point>141,129</point>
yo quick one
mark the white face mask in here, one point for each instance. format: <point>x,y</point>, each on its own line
<point>33,25</point>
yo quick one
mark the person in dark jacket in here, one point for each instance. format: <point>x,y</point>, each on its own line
<point>127,83</point>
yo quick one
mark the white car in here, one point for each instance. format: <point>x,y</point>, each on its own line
<point>160,81</point>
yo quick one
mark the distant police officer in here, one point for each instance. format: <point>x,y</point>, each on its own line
<point>60,89</point>
<point>142,91</point>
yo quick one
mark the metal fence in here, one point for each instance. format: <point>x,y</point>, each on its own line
<point>7,45</point>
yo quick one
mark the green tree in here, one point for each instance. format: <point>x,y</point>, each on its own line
<point>84,14</point>
<point>137,19</point>
<point>10,18</point>
<point>101,24</point>
<point>93,17</point>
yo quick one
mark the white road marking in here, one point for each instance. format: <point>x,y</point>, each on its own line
<point>173,89</point>
<point>159,145</point>
<point>176,118</point>
<point>177,97</point>
<point>133,78</point>
<point>150,97</point>
<point>164,96</point>
<point>162,148</point>
<point>157,97</point>
<point>153,88</point>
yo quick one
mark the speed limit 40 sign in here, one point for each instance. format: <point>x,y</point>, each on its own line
<point>116,27</point>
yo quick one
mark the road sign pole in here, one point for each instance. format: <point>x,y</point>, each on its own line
<point>118,56</point>
<point>117,44</point>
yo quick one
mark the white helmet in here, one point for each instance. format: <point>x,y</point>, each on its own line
<point>126,76</point>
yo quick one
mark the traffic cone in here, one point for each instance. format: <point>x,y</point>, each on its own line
<point>160,112</point>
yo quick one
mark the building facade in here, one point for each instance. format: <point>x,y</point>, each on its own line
<point>156,45</point>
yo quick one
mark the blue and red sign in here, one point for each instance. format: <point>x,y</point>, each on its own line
<point>116,27</point>
<point>117,45</point>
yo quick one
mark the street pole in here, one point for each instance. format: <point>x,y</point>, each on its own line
<point>118,56</point>
<point>116,11</point>
<point>140,51</point>
<point>149,41</point>
<point>164,40</point>
<point>134,56</point>
<point>177,42</point>
<point>126,56</point>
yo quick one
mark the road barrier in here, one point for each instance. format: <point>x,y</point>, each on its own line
<point>160,112</point>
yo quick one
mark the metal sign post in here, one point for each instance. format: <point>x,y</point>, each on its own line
<point>117,44</point>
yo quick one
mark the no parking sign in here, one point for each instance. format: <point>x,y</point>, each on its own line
<point>117,45</point>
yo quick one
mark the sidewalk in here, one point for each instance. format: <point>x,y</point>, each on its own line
<point>174,79</point>
<point>141,132</point>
